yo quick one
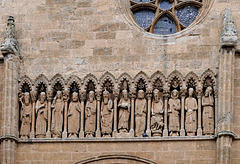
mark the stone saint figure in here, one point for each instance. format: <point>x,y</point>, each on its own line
<point>191,114</point>
<point>106,115</point>
<point>90,115</point>
<point>140,114</point>
<point>157,114</point>
<point>173,111</point>
<point>124,112</point>
<point>42,115</point>
<point>74,114</point>
<point>208,113</point>
<point>25,115</point>
<point>57,115</point>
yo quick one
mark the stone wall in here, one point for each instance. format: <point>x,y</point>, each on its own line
<point>164,152</point>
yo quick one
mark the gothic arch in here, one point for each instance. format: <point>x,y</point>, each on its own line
<point>125,76</point>
<point>41,79</point>
<point>209,74</point>
<point>192,78</point>
<point>158,75</point>
<point>88,78</point>
<point>73,79</point>
<point>141,75</point>
<point>107,76</point>
<point>57,78</point>
<point>175,75</point>
<point>116,158</point>
<point>25,80</point>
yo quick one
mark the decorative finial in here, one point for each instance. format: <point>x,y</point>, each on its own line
<point>10,43</point>
<point>229,33</point>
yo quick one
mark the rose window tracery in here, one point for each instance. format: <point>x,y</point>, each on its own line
<point>165,17</point>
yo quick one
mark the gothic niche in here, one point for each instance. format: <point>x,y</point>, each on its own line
<point>41,112</point>
<point>25,111</point>
<point>174,107</point>
<point>90,111</point>
<point>157,110</point>
<point>74,112</point>
<point>208,107</point>
<point>107,109</point>
<point>124,107</point>
<point>140,109</point>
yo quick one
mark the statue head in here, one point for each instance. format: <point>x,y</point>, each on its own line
<point>174,94</point>
<point>190,92</point>
<point>26,98</point>
<point>156,95</point>
<point>208,91</point>
<point>42,97</point>
<point>91,96</point>
<point>105,96</point>
<point>125,95</point>
<point>140,94</point>
<point>75,97</point>
<point>59,95</point>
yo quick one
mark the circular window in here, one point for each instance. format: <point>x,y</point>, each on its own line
<point>166,17</point>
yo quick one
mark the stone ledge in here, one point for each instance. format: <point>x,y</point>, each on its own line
<point>152,139</point>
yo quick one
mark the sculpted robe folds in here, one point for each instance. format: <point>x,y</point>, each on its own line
<point>191,115</point>
<point>140,116</point>
<point>41,122</point>
<point>90,116</point>
<point>57,117</point>
<point>74,117</point>
<point>124,113</point>
<point>26,119</point>
<point>174,119</point>
<point>157,115</point>
<point>107,117</point>
<point>208,114</point>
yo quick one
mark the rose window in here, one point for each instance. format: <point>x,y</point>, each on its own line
<point>165,17</point>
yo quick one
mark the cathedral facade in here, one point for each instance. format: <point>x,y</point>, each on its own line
<point>120,81</point>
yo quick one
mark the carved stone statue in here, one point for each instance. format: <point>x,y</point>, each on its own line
<point>25,115</point>
<point>191,114</point>
<point>90,115</point>
<point>157,114</point>
<point>140,114</point>
<point>74,114</point>
<point>57,115</point>
<point>208,112</point>
<point>173,111</point>
<point>106,115</point>
<point>124,112</point>
<point>42,116</point>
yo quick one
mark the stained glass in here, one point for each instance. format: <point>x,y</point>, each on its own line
<point>144,17</point>
<point>165,26</point>
<point>142,0</point>
<point>165,4</point>
<point>187,15</point>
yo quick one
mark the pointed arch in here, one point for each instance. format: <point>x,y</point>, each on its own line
<point>209,74</point>
<point>175,75</point>
<point>90,77</point>
<point>25,80</point>
<point>73,79</point>
<point>41,79</point>
<point>158,75</point>
<point>141,75</point>
<point>192,78</point>
<point>58,78</point>
<point>125,76</point>
<point>107,76</point>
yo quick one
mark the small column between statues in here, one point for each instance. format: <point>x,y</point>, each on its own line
<point>98,97</point>
<point>83,98</point>
<point>149,96</point>
<point>34,99</point>
<point>183,96</point>
<point>133,96</point>
<point>115,119</point>
<point>65,99</point>
<point>49,99</point>
<point>166,92</point>
<point>199,96</point>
